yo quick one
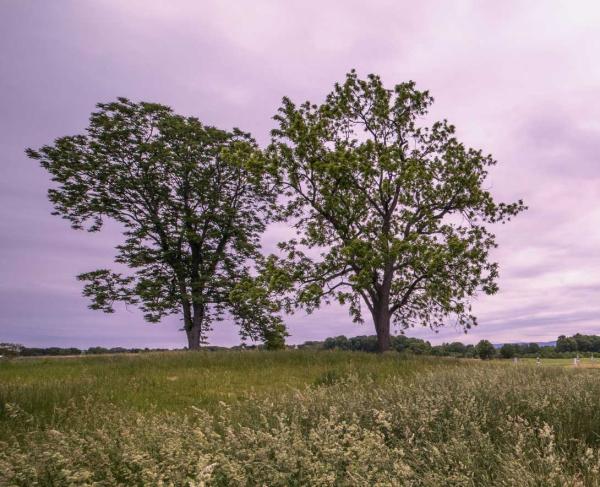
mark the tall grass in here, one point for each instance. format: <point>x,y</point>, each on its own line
<point>174,381</point>
<point>298,419</point>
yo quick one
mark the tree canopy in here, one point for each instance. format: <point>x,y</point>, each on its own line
<point>485,350</point>
<point>389,213</point>
<point>193,201</point>
<point>508,350</point>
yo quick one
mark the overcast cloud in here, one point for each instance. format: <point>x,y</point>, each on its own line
<point>520,80</point>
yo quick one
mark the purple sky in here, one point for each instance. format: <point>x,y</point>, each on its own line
<point>519,79</point>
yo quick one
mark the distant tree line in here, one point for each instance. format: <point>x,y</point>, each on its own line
<point>365,343</point>
<point>578,343</point>
<point>565,347</point>
<point>17,350</point>
<point>399,343</point>
<point>14,349</point>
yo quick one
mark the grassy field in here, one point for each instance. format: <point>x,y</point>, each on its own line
<point>584,362</point>
<point>297,418</point>
<point>174,381</point>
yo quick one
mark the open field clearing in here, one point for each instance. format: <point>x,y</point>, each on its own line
<point>585,363</point>
<point>297,418</point>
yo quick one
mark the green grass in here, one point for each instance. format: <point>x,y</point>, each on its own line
<point>175,381</point>
<point>584,362</point>
<point>297,418</point>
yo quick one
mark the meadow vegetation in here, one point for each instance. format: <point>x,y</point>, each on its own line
<point>296,418</point>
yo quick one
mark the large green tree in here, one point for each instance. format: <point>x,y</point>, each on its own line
<point>389,213</point>
<point>193,202</point>
<point>485,350</point>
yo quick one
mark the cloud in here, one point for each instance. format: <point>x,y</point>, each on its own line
<point>520,80</point>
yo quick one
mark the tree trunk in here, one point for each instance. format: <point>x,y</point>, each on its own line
<point>192,326</point>
<point>381,318</point>
<point>193,336</point>
<point>194,331</point>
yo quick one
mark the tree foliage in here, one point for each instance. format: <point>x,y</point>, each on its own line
<point>485,350</point>
<point>508,350</point>
<point>566,344</point>
<point>389,213</point>
<point>10,349</point>
<point>192,200</point>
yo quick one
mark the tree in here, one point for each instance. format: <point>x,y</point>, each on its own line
<point>584,342</point>
<point>274,337</point>
<point>400,343</point>
<point>192,200</point>
<point>485,350</point>
<point>508,350</point>
<point>419,347</point>
<point>399,212</point>
<point>10,349</point>
<point>363,343</point>
<point>470,351</point>
<point>564,344</point>
<point>336,343</point>
<point>594,343</point>
<point>456,348</point>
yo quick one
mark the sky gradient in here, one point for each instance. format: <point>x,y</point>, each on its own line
<point>520,80</point>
